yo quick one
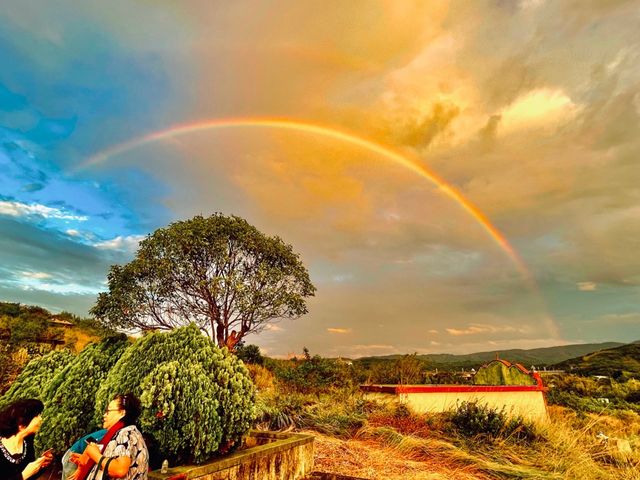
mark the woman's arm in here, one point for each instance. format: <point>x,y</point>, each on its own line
<point>118,467</point>
<point>33,468</point>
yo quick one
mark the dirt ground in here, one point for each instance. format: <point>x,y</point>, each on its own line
<point>370,460</point>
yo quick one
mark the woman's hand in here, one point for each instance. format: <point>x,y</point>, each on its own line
<point>74,475</point>
<point>34,467</point>
<point>78,459</point>
<point>93,451</point>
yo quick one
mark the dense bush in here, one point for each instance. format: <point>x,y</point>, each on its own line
<point>70,396</point>
<point>34,380</point>
<point>249,354</point>
<point>472,419</point>
<point>197,398</point>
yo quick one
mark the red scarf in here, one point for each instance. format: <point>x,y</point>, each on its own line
<point>85,469</point>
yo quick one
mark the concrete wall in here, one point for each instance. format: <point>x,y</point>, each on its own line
<point>288,456</point>
<point>528,402</point>
<point>529,405</point>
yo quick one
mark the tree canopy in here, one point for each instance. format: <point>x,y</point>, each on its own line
<point>219,272</point>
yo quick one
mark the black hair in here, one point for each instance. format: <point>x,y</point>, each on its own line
<point>19,414</point>
<point>131,406</point>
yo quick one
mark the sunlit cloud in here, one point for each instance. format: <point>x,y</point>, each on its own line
<point>19,209</point>
<point>537,108</point>
<point>587,286</point>
<point>272,327</point>
<point>338,330</point>
<point>475,329</point>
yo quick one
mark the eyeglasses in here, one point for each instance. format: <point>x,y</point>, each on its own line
<point>112,410</point>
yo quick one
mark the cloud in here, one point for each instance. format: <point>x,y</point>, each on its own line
<point>537,108</point>
<point>587,286</point>
<point>272,327</point>
<point>338,330</point>
<point>19,209</point>
<point>631,318</point>
<point>129,243</point>
<point>36,275</point>
<point>62,288</point>
<point>475,329</point>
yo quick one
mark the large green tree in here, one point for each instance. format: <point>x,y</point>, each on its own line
<point>219,272</point>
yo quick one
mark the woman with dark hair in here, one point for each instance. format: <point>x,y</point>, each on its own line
<point>122,452</point>
<point>19,422</point>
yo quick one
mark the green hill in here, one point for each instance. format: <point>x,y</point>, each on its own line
<point>537,356</point>
<point>619,362</point>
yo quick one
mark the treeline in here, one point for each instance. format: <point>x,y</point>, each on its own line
<point>312,373</point>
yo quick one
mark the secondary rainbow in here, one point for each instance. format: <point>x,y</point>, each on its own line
<point>339,135</point>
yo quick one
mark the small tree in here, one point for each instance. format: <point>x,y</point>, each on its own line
<point>249,354</point>
<point>219,272</point>
<point>196,398</point>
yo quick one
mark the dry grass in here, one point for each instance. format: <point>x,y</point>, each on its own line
<point>392,446</point>
<point>371,459</point>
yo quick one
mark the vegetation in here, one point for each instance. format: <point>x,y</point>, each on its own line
<point>28,332</point>
<point>312,373</point>
<point>70,395</point>
<point>584,394</point>
<point>472,441</point>
<point>197,398</point>
<point>219,272</point>
<point>620,363</point>
<point>35,379</point>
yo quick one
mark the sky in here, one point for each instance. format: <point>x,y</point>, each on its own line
<point>456,176</point>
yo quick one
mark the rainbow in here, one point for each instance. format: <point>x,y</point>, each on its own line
<point>339,135</point>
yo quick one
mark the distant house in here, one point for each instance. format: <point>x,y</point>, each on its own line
<point>56,322</point>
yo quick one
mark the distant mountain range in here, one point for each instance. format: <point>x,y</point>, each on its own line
<point>536,356</point>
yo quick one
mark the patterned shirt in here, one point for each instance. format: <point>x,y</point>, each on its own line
<point>128,442</point>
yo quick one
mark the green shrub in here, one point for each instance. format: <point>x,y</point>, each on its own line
<point>472,419</point>
<point>34,380</point>
<point>249,354</point>
<point>197,398</point>
<point>70,396</point>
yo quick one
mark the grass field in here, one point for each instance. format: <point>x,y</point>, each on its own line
<point>361,438</point>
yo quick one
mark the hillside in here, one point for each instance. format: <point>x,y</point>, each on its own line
<point>617,362</point>
<point>536,356</point>
<point>27,332</point>
<point>28,325</point>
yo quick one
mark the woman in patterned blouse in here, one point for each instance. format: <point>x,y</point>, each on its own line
<point>122,452</point>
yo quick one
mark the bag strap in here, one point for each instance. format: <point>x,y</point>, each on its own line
<point>105,471</point>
